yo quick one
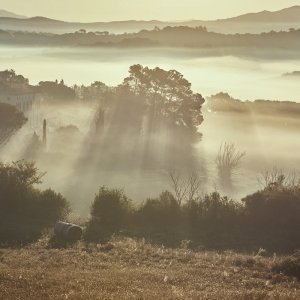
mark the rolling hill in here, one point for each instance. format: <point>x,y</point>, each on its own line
<point>8,14</point>
<point>248,23</point>
<point>286,15</point>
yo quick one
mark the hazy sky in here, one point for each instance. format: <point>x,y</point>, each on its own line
<point>105,10</point>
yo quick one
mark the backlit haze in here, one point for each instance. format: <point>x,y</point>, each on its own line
<point>111,10</point>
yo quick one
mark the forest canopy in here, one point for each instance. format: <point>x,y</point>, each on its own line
<point>167,97</point>
<point>11,120</point>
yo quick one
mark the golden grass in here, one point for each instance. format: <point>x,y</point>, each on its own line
<point>129,269</point>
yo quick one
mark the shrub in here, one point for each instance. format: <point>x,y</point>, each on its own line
<point>52,207</point>
<point>272,216</point>
<point>213,219</point>
<point>25,211</point>
<point>268,219</point>
<point>110,213</point>
<point>160,213</point>
<point>160,220</point>
<point>289,266</point>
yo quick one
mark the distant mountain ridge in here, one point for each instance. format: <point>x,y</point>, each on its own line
<point>7,14</point>
<point>246,23</point>
<point>290,14</point>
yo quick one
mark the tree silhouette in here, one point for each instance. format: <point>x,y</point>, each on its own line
<point>11,119</point>
<point>9,80</point>
<point>168,97</point>
<point>227,161</point>
<point>56,91</point>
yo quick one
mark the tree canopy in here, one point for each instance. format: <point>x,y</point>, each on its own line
<point>26,211</point>
<point>55,90</point>
<point>11,120</point>
<point>167,96</point>
<point>9,80</point>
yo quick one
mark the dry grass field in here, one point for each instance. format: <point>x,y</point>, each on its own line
<point>129,269</point>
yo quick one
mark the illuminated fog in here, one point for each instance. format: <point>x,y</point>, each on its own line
<point>77,171</point>
<point>209,72</point>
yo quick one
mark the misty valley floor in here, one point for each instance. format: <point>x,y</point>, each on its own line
<point>128,269</point>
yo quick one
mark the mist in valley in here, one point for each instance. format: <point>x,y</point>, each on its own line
<point>149,159</point>
<point>79,156</point>
<point>157,128</point>
<point>209,71</point>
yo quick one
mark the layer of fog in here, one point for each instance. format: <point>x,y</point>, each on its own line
<point>269,142</point>
<point>79,160</point>
<point>225,27</point>
<point>76,173</point>
<point>255,74</point>
<point>77,164</point>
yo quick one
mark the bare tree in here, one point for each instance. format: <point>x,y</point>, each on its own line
<point>186,188</point>
<point>194,184</point>
<point>227,161</point>
<point>179,185</point>
<point>277,177</point>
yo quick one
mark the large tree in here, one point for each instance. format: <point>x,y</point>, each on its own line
<point>11,120</point>
<point>168,97</point>
<point>9,80</point>
<point>56,91</point>
<point>25,210</point>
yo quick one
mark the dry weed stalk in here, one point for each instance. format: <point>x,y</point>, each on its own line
<point>228,160</point>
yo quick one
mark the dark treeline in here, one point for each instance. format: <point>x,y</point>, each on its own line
<point>223,102</point>
<point>11,120</point>
<point>136,123</point>
<point>179,36</point>
<point>293,74</point>
<point>139,122</point>
<point>267,219</point>
<point>55,91</point>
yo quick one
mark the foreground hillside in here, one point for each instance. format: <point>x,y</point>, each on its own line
<point>127,269</point>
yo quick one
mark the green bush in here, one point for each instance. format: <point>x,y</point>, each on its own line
<point>160,220</point>
<point>110,212</point>
<point>161,213</point>
<point>275,208</point>
<point>213,220</point>
<point>25,211</point>
<point>267,219</point>
<point>271,216</point>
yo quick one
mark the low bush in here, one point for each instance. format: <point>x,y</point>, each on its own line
<point>289,266</point>
<point>160,220</point>
<point>161,213</point>
<point>267,219</point>
<point>26,211</point>
<point>213,220</point>
<point>110,212</point>
<point>271,216</point>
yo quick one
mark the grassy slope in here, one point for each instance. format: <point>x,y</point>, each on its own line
<point>126,269</point>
